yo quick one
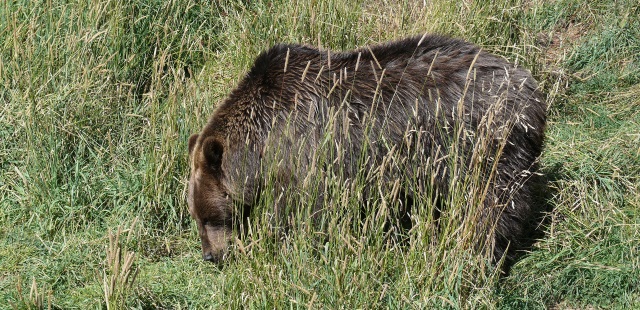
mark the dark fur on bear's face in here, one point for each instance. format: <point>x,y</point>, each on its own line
<point>420,84</point>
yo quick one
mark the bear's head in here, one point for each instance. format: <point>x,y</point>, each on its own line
<point>224,181</point>
<point>209,200</point>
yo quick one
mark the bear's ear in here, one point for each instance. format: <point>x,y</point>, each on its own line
<point>192,142</point>
<point>212,150</point>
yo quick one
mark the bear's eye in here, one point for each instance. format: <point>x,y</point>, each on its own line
<point>225,195</point>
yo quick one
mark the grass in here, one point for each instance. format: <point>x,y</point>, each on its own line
<point>100,97</point>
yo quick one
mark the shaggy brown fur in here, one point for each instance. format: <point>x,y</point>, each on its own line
<point>415,98</point>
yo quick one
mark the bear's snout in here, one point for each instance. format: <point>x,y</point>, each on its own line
<point>209,257</point>
<point>216,258</point>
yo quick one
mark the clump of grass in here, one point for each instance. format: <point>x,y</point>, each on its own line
<point>120,274</point>
<point>35,299</point>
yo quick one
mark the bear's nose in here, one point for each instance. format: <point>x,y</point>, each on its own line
<point>208,257</point>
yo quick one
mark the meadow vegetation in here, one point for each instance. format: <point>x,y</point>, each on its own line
<point>98,99</point>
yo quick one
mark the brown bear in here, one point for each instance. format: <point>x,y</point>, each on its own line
<point>425,99</point>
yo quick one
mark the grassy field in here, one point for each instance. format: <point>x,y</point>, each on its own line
<point>98,99</point>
